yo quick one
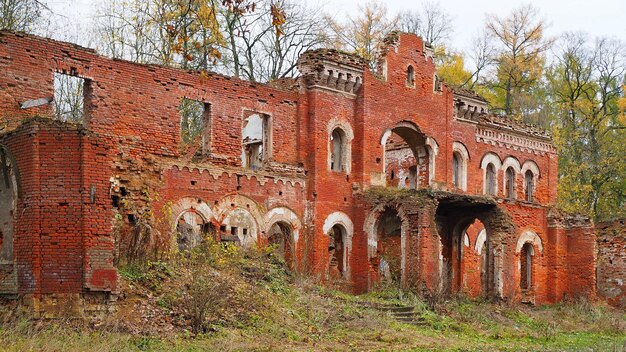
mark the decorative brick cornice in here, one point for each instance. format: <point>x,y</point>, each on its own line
<point>514,140</point>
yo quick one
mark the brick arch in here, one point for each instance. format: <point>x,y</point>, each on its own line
<point>238,207</point>
<point>416,142</point>
<point>494,159</point>
<point>343,220</point>
<point>370,227</point>
<point>194,204</point>
<point>348,135</point>
<point>432,147</point>
<point>461,150</point>
<point>511,161</point>
<point>287,243</point>
<point>529,236</point>
<point>286,216</point>
<point>499,230</point>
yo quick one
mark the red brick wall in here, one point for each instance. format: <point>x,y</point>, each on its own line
<point>64,239</point>
<point>134,137</point>
<point>611,279</point>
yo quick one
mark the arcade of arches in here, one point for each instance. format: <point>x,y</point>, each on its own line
<point>465,198</point>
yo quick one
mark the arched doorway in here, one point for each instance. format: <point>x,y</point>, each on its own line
<point>337,252</point>
<point>191,230</point>
<point>473,262</point>
<point>466,229</point>
<point>465,257</point>
<point>280,236</point>
<point>406,158</point>
<point>389,248</point>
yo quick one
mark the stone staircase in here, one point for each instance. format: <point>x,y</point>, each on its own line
<point>401,313</point>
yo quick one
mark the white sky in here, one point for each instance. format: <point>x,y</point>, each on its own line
<point>597,18</point>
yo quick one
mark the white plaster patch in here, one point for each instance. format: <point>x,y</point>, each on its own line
<point>480,241</point>
<point>285,215</point>
<point>529,236</point>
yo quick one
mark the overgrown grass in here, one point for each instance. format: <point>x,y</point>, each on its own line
<point>252,303</point>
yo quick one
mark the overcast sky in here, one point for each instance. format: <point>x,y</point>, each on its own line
<point>598,18</point>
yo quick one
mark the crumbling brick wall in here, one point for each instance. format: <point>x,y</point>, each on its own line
<point>63,221</point>
<point>611,274</point>
<point>128,164</point>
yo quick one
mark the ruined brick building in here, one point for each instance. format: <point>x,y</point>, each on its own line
<point>355,175</point>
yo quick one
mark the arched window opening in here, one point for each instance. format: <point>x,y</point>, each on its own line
<point>530,185</point>
<point>509,183</point>
<point>405,156</point>
<point>526,261</point>
<point>456,170</point>
<point>491,179</point>
<point>336,252</point>
<point>412,179</point>
<point>337,149</point>
<point>280,236</point>
<point>191,230</point>
<point>410,77</point>
<point>437,84</point>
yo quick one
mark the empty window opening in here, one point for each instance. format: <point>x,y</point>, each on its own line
<point>195,123</point>
<point>338,150</point>
<point>191,229</point>
<point>456,170</point>
<point>281,239</point>
<point>526,267</point>
<point>490,176</point>
<point>405,158</point>
<point>256,136</point>
<point>337,252</point>
<point>530,185</point>
<point>437,84</point>
<point>72,96</point>
<point>509,183</point>
<point>412,179</point>
<point>410,77</point>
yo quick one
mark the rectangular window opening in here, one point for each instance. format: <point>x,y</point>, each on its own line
<point>195,123</point>
<point>255,140</point>
<point>72,97</point>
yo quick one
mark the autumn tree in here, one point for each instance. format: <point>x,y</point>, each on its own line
<point>20,15</point>
<point>264,45</point>
<point>126,31</point>
<point>585,86</point>
<point>451,68</point>
<point>430,22</point>
<point>363,34</point>
<point>519,57</point>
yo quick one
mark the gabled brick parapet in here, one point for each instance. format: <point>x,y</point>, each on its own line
<point>331,69</point>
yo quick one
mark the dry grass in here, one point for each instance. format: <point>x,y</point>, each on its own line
<point>251,303</point>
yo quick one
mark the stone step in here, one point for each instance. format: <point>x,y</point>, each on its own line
<point>405,314</point>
